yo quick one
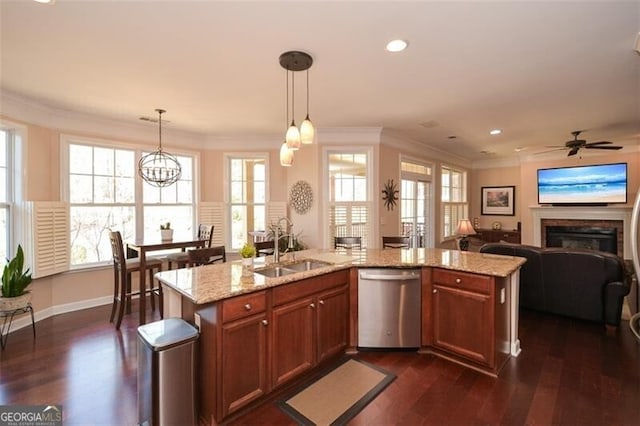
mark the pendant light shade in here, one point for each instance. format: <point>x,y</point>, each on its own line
<point>286,155</point>
<point>293,137</point>
<point>159,168</point>
<point>307,132</point>
<point>294,61</point>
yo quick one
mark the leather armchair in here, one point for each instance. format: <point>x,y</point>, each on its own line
<point>584,284</point>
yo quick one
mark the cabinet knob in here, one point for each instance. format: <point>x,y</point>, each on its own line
<point>247,307</point>
<point>313,305</point>
<point>435,291</point>
<point>458,280</point>
<point>265,322</point>
<point>321,302</point>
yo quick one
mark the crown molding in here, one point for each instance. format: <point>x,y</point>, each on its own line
<point>26,110</point>
<point>420,149</point>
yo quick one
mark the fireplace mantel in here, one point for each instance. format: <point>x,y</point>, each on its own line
<point>622,213</point>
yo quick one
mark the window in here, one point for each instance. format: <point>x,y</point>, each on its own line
<point>454,199</point>
<point>416,201</point>
<point>247,176</point>
<point>348,193</point>
<point>5,194</point>
<point>104,193</point>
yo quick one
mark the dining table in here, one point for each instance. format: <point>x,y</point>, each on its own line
<point>143,246</point>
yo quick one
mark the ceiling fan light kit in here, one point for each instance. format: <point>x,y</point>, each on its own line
<point>576,145</point>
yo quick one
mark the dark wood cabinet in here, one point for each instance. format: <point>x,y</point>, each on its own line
<point>497,235</point>
<point>333,317</point>
<point>293,339</point>
<point>243,366</point>
<point>310,324</point>
<point>469,317</point>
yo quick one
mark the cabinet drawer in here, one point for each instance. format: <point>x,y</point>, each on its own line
<point>462,280</point>
<point>243,306</point>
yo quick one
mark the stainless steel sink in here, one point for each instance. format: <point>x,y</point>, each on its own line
<point>307,265</point>
<point>275,271</point>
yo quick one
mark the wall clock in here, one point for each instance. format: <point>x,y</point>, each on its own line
<point>301,197</point>
<point>390,194</point>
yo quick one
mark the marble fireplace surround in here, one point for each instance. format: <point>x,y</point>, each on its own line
<point>584,216</point>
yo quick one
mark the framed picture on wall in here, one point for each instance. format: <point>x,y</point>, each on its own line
<point>498,200</point>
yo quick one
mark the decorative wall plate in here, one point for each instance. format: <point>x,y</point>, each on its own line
<point>390,194</point>
<point>301,197</point>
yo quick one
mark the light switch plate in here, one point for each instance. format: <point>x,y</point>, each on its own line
<point>196,320</point>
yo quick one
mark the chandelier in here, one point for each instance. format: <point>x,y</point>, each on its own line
<point>295,61</point>
<point>159,168</point>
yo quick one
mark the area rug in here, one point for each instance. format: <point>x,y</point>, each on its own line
<point>339,395</point>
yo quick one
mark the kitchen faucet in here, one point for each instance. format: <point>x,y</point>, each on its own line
<point>276,238</point>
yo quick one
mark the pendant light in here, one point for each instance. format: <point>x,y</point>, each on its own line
<point>307,132</point>
<point>293,61</point>
<point>286,153</point>
<point>159,168</point>
<point>293,134</point>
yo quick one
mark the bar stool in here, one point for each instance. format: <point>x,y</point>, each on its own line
<point>263,248</point>
<point>205,232</point>
<point>207,256</point>
<point>347,242</point>
<point>396,242</point>
<point>122,270</point>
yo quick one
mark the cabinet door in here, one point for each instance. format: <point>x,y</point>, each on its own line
<point>333,321</point>
<point>244,362</point>
<point>293,349</point>
<point>463,323</point>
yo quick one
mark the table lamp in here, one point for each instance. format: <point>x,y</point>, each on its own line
<point>464,229</point>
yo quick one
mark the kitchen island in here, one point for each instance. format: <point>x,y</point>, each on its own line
<point>262,330</point>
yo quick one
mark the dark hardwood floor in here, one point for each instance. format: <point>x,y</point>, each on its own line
<point>569,373</point>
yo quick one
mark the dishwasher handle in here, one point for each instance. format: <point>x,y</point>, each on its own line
<point>389,277</point>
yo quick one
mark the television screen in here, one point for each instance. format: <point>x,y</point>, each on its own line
<point>599,184</point>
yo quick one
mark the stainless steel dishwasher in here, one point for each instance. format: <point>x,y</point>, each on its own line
<point>389,308</point>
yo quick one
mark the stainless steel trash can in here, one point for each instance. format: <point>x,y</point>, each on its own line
<point>166,373</point>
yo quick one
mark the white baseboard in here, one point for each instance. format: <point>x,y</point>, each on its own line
<point>25,319</point>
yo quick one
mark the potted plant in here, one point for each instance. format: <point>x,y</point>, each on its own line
<point>247,252</point>
<point>166,233</point>
<point>15,280</point>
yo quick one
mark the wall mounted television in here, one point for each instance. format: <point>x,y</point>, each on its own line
<point>599,184</point>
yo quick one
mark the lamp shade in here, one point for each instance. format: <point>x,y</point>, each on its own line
<point>465,227</point>
<point>293,137</point>
<point>286,155</point>
<point>307,132</point>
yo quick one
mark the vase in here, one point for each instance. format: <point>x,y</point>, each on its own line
<point>14,303</point>
<point>247,265</point>
<point>166,234</point>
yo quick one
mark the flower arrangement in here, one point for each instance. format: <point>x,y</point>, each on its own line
<point>164,226</point>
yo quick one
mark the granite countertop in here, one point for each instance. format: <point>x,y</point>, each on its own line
<point>210,283</point>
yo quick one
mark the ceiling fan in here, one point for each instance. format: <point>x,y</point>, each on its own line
<point>576,144</point>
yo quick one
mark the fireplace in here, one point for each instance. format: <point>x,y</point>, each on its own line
<point>587,237</point>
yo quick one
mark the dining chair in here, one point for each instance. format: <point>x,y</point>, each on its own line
<point>122,270</point>
<point>205,232</point>
<point>207,255</point>
<point>263,248</point>
<point>396,242</point>
<point>347,242</point>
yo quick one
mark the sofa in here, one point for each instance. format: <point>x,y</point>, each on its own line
<point>585,284</point>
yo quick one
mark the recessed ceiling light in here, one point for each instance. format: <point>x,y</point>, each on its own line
<point>396,45</point>
<point>495,132</point>
<point>46,1</point>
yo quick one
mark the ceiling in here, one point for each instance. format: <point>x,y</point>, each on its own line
<point>537,70</point>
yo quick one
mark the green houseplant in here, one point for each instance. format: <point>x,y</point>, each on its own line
<point>15,280</point>
<point>247,251</point>
<point>166,233</point>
